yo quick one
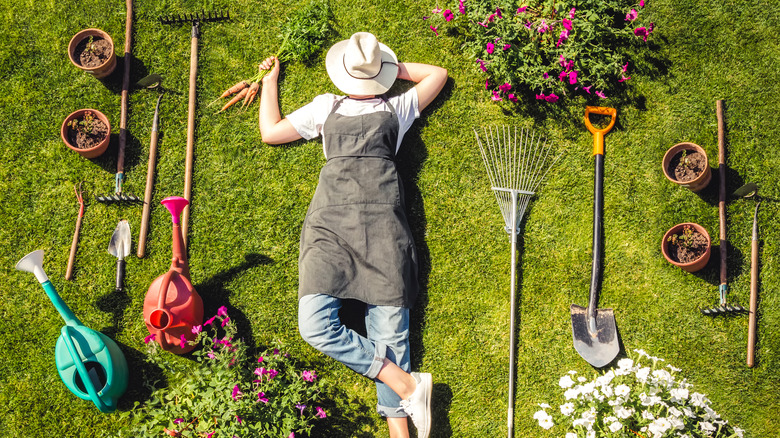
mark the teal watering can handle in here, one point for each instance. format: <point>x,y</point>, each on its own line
<point>62,308</point>
<point>82,370</point>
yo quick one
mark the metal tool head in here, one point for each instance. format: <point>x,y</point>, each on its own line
<point>120,243</point>
<point>595,339</point>
<point>198,17</point>
<point>748,190</point>
<point>723,310</point>
<point>119,198</point>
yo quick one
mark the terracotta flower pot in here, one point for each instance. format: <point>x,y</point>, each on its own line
<point>690,266</point>
<point>101,66</point>
<point>702,177</point>
<point>91,152</point>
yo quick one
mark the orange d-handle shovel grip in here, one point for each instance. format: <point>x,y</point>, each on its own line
<point>598,134</point>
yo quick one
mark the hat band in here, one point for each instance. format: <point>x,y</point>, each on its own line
<point>368,78</point>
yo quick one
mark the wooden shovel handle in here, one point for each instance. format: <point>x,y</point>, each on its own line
<point>147,195</point>
<point>120,163</point>
<point>190,132</point>
<point>751,343</point>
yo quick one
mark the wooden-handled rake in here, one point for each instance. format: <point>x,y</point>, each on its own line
<point>195,20</point>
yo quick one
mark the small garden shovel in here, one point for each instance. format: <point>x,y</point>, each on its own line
<point>119,247</point>
<point>594,331</point>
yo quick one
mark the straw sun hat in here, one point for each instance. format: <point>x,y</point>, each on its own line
<point>362,65</point>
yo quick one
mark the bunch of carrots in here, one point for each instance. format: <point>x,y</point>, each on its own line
<point>246,89</point>
<point>304,33</point>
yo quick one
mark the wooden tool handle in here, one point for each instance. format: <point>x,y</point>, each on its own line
<point>74,244</point>
<point>751,342</point>
<point>722,191</point>
<point>120,163</point>
<point>190,132</point>
<point>147,196</point>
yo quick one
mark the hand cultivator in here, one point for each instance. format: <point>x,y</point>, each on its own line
<point>195,20</point>
<point>724,308</point>
<point>517,162</point>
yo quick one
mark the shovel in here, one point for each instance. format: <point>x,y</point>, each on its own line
<point>594,331</point>
<point>119,247</point>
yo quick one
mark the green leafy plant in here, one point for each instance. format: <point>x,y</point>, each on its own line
<point>85,125</point>
<point>685,239</point>
<point>225,393</point>
<point>550,48</point>
<point>638,398</point>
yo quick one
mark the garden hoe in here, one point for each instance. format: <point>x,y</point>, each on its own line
<point>194,19</point>
<point>149,181</point>
<point>724,308</point>
<point>750,190</point>
<point>516,162</point>
<point>119,196</point>
<point>594,331</point>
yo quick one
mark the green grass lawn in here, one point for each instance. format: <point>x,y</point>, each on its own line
<point>249,200</point>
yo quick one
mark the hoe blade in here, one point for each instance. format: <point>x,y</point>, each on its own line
<point>598,348</point>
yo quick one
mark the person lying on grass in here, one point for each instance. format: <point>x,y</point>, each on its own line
<point>356,242</point>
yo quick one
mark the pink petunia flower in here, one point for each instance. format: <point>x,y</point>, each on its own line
<point>543,26</point>
<point>528,25</point>
<point>149,338</point>
<point>291,435</point>
<point>641,3</point>
<point>197,329</point>
<point>587,89</point>
<point>482,24</point>
<point>211,434</point>
<point>625,67</point>
<point>222,311</point>
<point>300,407</point>
<point>506,47</point>
<point>481,65</point>
<point>461,7</point>
<point>308,376</point>
<point>624,78</point>
<point>506,86</point>
<point>210,320</point>
<point>566,23</point>
<point>641,32</point>
<point>225,321</point>
<point>552,98</point>
<point>490,48</point>
<point>496,96</point>
<point>182,341</point>
<point>436,10</point>
<point>563,75</point>
<point>512,97</point>
<point>521,10</point>
<point>562,37</point>
<point>487,84</point>
<point>573,77</point>
<point>259,359</point>
<point>572,12</point>
<point>632,14</point>
<point>178,421</point>
<point>546,75</point>
<point>211,355</point>
<point>601,94</point>
<point>435,31</point>
<point>236,393</point>
<point>261,397</point>
<point>498,13</point>
<point>238,419</point>
<point>320,413</point>
<point>448,16</point>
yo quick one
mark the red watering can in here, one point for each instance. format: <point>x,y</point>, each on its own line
<point>172,307</point>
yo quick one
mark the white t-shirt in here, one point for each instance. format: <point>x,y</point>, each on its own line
<point>309,119</point>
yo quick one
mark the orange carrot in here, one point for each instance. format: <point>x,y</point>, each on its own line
<point>232,90</point>
<point>250,96</point>
<point>238,97</point>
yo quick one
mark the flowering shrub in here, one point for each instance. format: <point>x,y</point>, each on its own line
<point>550,48</point>
<point>639,398</point>
<point>225,393</point>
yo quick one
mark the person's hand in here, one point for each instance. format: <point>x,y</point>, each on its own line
<point>271,63</point>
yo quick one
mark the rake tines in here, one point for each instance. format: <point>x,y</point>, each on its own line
<point>197,17</point>
<point>723,309</point>
<point>119,198</point>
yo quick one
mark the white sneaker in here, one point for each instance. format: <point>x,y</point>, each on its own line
<point>418,405</point>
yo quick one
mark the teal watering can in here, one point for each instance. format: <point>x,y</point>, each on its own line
<point>89,363</point>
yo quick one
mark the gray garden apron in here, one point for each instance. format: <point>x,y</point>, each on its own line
<point>356,242</point>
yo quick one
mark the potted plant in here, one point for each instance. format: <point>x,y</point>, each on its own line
<point>686,164</point>
<point>86,131</point>
<point>92,50</point>
<point>687,245</point>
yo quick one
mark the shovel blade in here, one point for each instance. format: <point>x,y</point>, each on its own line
<point>598,348</point>
<point>120,243</point>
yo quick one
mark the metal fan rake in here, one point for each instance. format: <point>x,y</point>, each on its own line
<point>516,160</point>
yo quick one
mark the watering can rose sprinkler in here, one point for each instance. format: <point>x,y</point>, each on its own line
<point>89,363</point>
<point>172,307</point>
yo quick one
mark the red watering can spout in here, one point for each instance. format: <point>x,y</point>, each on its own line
<point>172,307</point>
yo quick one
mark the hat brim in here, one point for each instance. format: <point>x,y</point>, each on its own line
<point>334,63</point>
